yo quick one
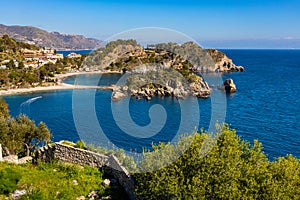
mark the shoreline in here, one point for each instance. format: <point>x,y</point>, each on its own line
<point>60,85</point>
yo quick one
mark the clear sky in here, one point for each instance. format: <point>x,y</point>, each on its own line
<point>230,23</point>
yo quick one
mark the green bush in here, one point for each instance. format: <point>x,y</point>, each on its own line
<point>80,144</point>
<point>8,180</point>
<point>233,169</point>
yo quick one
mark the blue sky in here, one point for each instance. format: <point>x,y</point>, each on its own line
<point>231,23</point>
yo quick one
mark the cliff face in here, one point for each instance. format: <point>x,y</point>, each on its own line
<point>39,37</point>
<point>222,62</point>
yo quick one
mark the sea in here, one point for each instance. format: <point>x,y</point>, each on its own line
<point>81,52</point>
<point>266,107</point>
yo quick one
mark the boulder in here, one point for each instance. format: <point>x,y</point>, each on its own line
<point>18,194</point>
<point>148,98</point>
<point>93,195</point>
<point>229,86</point>
<point>80,198</point>
<point>106,182</point>
<point>75,182</point>
<point>118,95</point>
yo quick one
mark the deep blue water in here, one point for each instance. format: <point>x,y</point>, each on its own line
<point>266,107</point>
<point>81,52</point>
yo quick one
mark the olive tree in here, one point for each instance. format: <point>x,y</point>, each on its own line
<point>21,134</point>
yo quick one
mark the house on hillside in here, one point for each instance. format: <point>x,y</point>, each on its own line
<point>73,55</point>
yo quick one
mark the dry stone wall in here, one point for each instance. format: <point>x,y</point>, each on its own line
<point>79,156</point>
<point>122,175</point>
<point>110,164</point>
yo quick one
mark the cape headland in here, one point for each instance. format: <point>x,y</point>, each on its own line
<point>166,69</point>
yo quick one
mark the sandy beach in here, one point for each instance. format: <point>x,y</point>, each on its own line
<point>60,85</point>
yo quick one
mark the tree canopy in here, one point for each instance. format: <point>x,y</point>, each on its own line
<point>233,169</point>
<point>20,135</point>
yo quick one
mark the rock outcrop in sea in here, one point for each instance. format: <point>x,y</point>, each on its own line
<point>229,86</point>
<point>223,63</point>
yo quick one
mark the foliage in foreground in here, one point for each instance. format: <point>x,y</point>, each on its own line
<point>233,169</point>
<point>20,135</point>
<point>9,179</point>
<point>51,180</point>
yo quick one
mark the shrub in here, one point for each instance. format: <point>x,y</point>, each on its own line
<point>233,169</point>
<point>80,144</point>
<point>9,180</point>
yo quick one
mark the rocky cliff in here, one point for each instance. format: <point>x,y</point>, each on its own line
<point>222,62</point>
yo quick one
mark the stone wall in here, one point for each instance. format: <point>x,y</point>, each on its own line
<point>122,175</point>
<point>45,154</point>
<point>79,156</point>
<point>110,164</point>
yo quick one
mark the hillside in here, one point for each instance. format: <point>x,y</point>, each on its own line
<point>124,55</point>
<point>39,37</point>
<point>27,65</point>
<point>10,49</point>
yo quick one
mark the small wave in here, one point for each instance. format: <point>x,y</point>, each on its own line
<point>29,101</point>
<point>26,104</point>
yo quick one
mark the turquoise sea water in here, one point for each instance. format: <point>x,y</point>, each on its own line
<point>266,106</point>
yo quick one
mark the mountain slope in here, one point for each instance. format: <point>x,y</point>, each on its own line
<point>55,40</point>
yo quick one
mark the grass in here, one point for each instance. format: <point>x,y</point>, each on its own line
<point>56,181</point>
<point>68,143</point>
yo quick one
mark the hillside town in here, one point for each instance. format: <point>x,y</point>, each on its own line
<point>38,58</point>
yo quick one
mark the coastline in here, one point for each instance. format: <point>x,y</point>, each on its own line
<point>60,85</point>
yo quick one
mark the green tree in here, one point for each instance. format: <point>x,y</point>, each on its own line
<point>233,169</point>
<point>20,134</point>
<point>12,140</point>
<point>21,65</point>
<point>11,64</point>
<point>30,135</point>
<point>4,109</point>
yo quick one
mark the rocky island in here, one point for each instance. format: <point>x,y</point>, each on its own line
<point>160,70</point>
